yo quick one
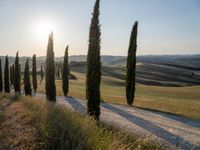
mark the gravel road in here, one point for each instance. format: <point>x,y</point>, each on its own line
<point>170,129</point>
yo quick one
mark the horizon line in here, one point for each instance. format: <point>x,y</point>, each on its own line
<point>111,55</point>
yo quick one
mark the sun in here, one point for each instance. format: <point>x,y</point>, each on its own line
<point>42,30</point>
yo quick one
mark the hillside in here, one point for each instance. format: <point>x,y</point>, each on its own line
<point>150,73</point>
<point>164,70</point>
<point>186,60</point>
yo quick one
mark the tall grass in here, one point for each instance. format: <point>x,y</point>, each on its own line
<point>60,128</point>
<point>3,97</point>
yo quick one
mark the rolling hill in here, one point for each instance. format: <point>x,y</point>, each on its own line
<point>163,70</point>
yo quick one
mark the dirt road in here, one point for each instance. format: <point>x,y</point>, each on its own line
<point>178,131</point>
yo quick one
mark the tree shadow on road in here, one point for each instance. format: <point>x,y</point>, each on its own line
<point>76,104</point>
<point>190,122</point>
<point>150,127</point>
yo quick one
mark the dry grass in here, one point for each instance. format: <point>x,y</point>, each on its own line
<point>183,101</point>
<point>61,128</point>
<point>17,133</point>
<point>36,124</point>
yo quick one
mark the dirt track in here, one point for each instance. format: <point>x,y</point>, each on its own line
<point>175,130</point>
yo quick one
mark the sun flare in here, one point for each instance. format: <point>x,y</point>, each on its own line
<point>42,31</point>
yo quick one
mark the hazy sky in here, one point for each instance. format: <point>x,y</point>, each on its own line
<point>165,26</point>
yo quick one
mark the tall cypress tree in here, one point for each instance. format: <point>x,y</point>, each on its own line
<point>11,81</point>
<point>131,65</point>
<point>65,79</point>
<point>34,73</point>
<point>69,70</point>
<point>27,83</point>
<point>50,71</point>
<point>6,76</point>
<point>13,74</point>
<point>41,74</point>
<point>20,72</point>
<point>57,73</point>
<point>93,77</point>
<point>1,80</point>
<point>17,74</point>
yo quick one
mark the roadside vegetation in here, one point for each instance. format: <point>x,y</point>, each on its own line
<point>48,126</point>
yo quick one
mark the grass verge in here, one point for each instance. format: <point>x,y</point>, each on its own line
<point>60,128</point>
<point>50,126</point>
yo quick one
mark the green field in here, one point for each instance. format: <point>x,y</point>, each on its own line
<point>183,101</point>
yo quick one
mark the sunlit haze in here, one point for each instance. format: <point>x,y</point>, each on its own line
<point>42,30</point>
<point>165,27</point>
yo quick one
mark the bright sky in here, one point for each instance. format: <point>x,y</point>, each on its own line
<point>165,26</point>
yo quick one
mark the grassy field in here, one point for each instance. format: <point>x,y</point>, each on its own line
<point>151,74</point>
<point>48,126</point>
<point>183,101</point>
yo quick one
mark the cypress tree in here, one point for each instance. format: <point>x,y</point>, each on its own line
<point>17,74</point>
<point>1,80</point>
<point>41,74</point>
<point>93,77</point>
<point>20,72</point>
<point>11,81</point>
<point>6,76</point>
<point>13,74</point>
<point>50,71</point>
<point>65,79</point>
<point>69,70</point>
<point>34,73</point>
<point>58,73</point>
<point>27,83</point>
<point>131,65</point>
<point>61,68</point>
